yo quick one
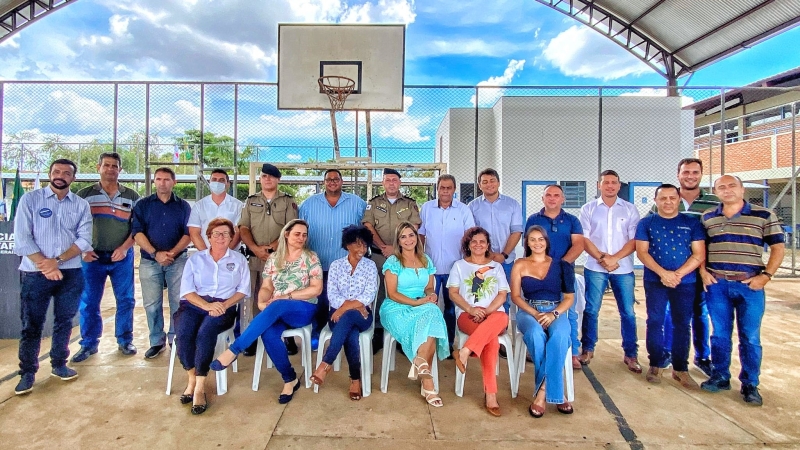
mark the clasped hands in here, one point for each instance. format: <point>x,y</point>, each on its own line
<point>608,262</point>
<point>118,255</point>
<point>477,314</point>
<point>50,270</point>
<point>430,298</point>
<point>349,305</point>
<point>215,309</point>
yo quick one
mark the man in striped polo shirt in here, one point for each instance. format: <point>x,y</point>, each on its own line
<point>112,257</point>
<point>734,277</point>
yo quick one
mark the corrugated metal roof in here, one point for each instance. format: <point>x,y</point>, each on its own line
<point>678,37</point>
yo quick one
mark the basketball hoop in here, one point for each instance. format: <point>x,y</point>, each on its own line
<point>337,88</point>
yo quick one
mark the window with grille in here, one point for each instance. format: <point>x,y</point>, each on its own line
<point>574,193</point>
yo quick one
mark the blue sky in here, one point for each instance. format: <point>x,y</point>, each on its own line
<point>449,42</point>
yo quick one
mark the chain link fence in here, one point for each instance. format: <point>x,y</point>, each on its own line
<point>531,135</point>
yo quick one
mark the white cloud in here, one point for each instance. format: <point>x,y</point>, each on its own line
<point>118,25</point>
<point>489,94</point>
<point>12,42</point>
<point>294,157</point>
<point>650,92</point>
<point>580,51</point>
<point>403,127</point>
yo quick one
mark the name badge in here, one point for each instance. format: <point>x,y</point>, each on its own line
<point>230,266</point>
<point>45,212</point>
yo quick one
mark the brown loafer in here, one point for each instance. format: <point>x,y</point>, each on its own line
<point>685,380</point>
<point>494,411</point>
<point>633,364</point>
<point>653,374</point>
<point>576,363</point>
<point>586,357</point>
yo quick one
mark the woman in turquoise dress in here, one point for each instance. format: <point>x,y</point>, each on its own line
<point>411,313</point>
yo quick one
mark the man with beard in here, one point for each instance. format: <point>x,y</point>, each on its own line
<point>112,207</point>
<point>327,214</point>
<point>160,228</point>
<point>53,227</point>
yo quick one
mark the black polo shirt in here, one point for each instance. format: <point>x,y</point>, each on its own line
<point>164,224</point>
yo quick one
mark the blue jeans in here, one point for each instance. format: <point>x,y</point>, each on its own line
<point>701,327</point>
<point>548,347</point>
<point>95,274</point>
<point>679,301</point>
<point>724,298</point>
<point>278,317</point>
<point>449,307</point>
<point>196,335</point>
<point>34,301</point>
<point>344,333</point>
<point>151,277</point>
<point>622,286</point>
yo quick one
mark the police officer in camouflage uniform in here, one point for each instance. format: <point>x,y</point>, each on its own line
<point>384,212</point>
<point>263,217</point>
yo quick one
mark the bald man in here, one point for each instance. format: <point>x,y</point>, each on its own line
<point>734,277</point>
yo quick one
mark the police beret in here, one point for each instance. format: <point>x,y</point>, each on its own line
<point>269,169</point>
<point>388,171</point>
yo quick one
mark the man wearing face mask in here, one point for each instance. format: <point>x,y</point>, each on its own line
<point>263,217</point>
<point>210,207</point>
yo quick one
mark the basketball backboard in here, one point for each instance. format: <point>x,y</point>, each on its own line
<point>371,55</point>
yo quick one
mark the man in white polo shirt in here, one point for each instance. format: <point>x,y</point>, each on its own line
<point>444,221</point>
<point>218,204</point>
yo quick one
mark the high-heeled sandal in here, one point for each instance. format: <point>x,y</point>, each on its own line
<point>186,399</point>
<point>459,364</point>
<point>431,397</point>
<point>325,369</point>
<point>355,395</point>
<point>421,370</point>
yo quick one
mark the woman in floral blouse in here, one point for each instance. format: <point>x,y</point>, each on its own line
<point>288,298</point>
<point>352,285</point>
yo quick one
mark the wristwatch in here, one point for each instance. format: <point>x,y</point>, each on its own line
<point>61,261</point>
<point>556,314</point>
<point>769,275</point>
<point>505,255</point>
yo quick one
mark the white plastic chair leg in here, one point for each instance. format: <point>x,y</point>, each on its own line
<point>172,355</point>
<point>569,387</point>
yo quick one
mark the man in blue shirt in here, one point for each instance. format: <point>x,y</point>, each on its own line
<point>566,243</point>
<point>501,216</point>
<point>671,246</point>
<point>327,213</point>
<point>160,227</point>
<point>52,227</point>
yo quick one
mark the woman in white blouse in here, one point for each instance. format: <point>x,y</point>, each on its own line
<point>352,284</point>
<point>214,281</point>
<point>478,287</point>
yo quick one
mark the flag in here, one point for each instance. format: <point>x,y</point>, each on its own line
<point>176,155</point>
<point>37,184</point>
<point>18,193</point>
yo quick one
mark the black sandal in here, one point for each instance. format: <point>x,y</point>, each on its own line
<point>200,409</point>
<point>186,399</point>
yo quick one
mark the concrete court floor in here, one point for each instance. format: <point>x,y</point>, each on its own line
<point>119,402</point>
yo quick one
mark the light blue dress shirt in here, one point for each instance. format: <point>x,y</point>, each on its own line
<point>500,218</point>
<point>325,223</point>
<point>443,230</point>
<point>48,225</point>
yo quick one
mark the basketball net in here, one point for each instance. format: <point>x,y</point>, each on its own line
<point>337,88</point>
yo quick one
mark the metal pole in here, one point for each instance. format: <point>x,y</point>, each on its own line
<point>116,108</point>
<point>475,182</point>
<point>599,136</point>
<point>235,135</point>
<point>355,172</point>
<point>2,183</point>
<point>369,153</point>
<point>148,184</point>
<point>336,154</point>
<point>794,185</point>
<point>199,168</point>
<point>723,132</point>
<point>710,154</point>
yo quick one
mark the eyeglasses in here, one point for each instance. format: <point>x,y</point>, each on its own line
<point>333,180</point>
<point>217,234</point>
<point>553,227</point>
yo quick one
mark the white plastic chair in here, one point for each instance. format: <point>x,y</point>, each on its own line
<point>521,351</point>
<point>365,347</point>
<point>304,334</point>
<point>224,340</point>
<point>389,354</point>
<point>505,341</point>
